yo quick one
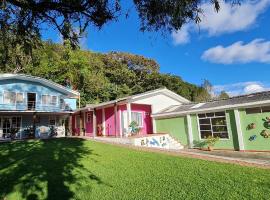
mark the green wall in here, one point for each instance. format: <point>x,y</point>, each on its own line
<point>260,143</point>
<point>176,127</point>
<point>231,143</point>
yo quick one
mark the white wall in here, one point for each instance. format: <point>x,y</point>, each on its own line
<point>158,102</point>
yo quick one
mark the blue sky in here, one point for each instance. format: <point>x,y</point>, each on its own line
<point>230,48</point>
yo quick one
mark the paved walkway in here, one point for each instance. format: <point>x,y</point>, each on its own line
<point>255,159</point>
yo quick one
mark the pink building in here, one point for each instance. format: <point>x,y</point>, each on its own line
<point>113,118</point>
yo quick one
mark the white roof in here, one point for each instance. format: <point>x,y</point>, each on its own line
<point>135,97</point>
<point>51,84</point>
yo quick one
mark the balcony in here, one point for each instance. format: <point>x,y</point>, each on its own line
<point>34,106</point>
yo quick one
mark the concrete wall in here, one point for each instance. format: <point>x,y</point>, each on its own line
<point>260,143</point>
<point>176,127</point>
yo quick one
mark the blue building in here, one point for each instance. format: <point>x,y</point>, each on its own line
<point>34,107</point>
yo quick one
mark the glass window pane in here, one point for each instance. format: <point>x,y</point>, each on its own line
<point>205,127</point>
<point>209,114</point>
<point>204,121</point>
<point>54,100</point>
<point>9,97</point>
<point>19,98</point>
<point>219,121</point>
<point>217,114</point>
<point>223,135</point>
<point>266,109</point>
<point>201,115</point>
<point>219,129</point>
<point>137,117</point>
<point>46,99</point>
<point>253,110</point>
<point>205,134</point>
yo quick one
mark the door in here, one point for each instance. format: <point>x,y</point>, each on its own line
<point>31,101</point>
<point>110,121</point>
<point>6,126</point>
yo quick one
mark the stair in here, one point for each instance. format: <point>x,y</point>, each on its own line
<point>174,144</point>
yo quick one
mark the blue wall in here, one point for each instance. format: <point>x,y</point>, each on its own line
<point>25,87</point>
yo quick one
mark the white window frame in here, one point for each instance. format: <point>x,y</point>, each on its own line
<point>10,118</point>
<point>142,121</point>
<point>17,98</point>
<point>56,100</point>
<point>4,102</point>
<point>49,103</point>
<point>199,129</point>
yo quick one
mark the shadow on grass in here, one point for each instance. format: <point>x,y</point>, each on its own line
<point>43,169</point>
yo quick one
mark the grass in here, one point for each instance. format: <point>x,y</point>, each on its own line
<point>78,169</point>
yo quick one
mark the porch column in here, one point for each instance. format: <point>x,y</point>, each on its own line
<point>103,122</point>
<point>115,119</point>
<point>128,116</point>
<point>239,130</point>
<point>154,125</point>
<point>70,125</point>
<point>94,123</point>
<point>190,134</point>
<point>81,123</point>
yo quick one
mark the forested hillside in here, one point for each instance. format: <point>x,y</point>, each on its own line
<point>98,77</point>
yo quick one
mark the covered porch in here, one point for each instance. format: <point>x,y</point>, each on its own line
<point>24,125</point>
<point>122,119</point>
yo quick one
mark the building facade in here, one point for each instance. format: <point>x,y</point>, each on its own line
<point>34,107</point>
<point>114,118</point>
<point>242,123</point>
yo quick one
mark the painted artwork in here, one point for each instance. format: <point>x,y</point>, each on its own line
<point>153,141</point>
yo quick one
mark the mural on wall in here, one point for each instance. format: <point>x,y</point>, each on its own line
<point>153,141</point>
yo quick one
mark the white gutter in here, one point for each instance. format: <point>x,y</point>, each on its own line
<point>253,104</point>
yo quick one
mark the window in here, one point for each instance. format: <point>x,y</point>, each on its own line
<point>54,100</point>
<point>213,124</point>
<point>137,117</point>
<point>11,122</point>
<point>9,97</point>
<point>257,110</point>
<point>49,100</point>
<point>19,98</point>
<point>52,121</point>
<point>253,110</point>
<point>88,117</point>
<point>46,99</point>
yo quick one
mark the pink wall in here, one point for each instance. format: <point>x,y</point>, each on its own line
<point>89,123</point>
<point>147,120</point>
<point>110,128</point>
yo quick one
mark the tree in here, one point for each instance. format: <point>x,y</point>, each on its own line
<point>223,95</point>
<point>71,17</point>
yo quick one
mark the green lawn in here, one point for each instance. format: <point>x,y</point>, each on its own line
<point>78,169</point>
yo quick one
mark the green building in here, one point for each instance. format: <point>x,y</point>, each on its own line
<point>242,122</point>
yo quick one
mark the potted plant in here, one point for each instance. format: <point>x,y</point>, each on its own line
<point>134,128</point>
<point>99,129</point>
<point>211,141</point>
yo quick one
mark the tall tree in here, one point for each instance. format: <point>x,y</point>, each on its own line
<point>223,95</point>
<point>24,19</point>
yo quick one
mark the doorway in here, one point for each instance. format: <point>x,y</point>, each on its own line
<point>31,101</point>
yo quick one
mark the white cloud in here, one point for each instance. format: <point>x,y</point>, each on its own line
<point>230,18</point>
<point>181,36</point>
<point>242,88</point>
<point>257,50</point>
